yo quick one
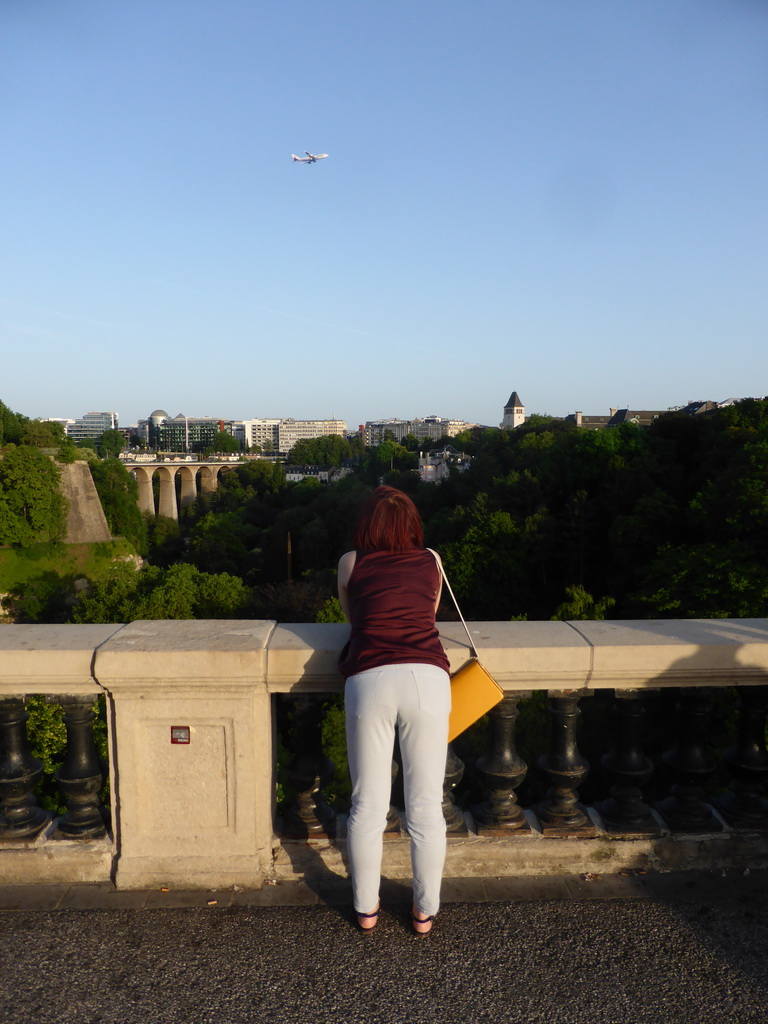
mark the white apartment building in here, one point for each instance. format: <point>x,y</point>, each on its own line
<point>264,433</point>
<point>430,427</point>
<point>436,465</point>
<point>57,419</point>
<point>280,435</point>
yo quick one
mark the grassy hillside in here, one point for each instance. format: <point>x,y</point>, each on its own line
<point>44,575</point>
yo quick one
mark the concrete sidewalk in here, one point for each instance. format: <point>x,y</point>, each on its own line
<point>333,891</point>
<point>660,949</point>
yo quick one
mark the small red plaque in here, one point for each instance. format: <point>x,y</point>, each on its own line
<point>179,734</point>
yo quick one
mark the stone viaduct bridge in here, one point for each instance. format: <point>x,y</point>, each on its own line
<point>193,478</point>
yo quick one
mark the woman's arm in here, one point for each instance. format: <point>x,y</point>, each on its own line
<point>440,583</point>
<point>346,565</point>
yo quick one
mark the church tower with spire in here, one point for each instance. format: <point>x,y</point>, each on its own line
<point>514,413</point>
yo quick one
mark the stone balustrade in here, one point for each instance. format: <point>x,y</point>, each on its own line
<point>192,728</point>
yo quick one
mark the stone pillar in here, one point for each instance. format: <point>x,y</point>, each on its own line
<point>188,485</point>
<point>168,506</point>
<point>194,764</point>
<point>143,477</point>
<point>209,479</point>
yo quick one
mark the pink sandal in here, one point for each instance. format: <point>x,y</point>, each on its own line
<point>421,920</point>
<point>365,917</point>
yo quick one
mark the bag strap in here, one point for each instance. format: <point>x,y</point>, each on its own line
<point>472,649</point>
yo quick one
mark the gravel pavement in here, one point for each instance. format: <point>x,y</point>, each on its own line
<point>694,953</point>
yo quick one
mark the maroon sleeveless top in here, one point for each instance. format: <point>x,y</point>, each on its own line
<point>392,611</point>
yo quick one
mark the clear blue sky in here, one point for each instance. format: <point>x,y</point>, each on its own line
<point>568,198</point>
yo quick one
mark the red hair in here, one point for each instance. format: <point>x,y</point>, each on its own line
<point>388,521</point>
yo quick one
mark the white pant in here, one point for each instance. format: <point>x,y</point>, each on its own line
<point>417,699</point>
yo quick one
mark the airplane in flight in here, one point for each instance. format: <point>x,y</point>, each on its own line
<point>310,158</point>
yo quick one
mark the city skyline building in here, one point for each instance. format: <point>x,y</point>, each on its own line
<point>181,433</point>
<point>280,435</point>
<point>430,428</point>
<point>192,434</point>
<point>90,426</point>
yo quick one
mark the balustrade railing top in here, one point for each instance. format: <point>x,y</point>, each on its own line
<point>295,656</point>
<point>549,655</point>
<point>50,659</point>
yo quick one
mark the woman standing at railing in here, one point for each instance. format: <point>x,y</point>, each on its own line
<point>397,676</point>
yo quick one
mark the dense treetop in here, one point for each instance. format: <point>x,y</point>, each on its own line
<point>32,508</point>
<point>11,425</point>
<point>320,451</point>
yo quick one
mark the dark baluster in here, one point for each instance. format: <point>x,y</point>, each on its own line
<point>20,817</point>
<point>393,815</point>
<point>747,761</point>
<point>454,772</point>
<point>503,770</point>
<point>80,776</point>
<point>565,770</point>
<point>625,810</point>
<point>691,764</point>
<point>307,772</point>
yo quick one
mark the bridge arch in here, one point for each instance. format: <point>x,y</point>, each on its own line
<point>195,478</point>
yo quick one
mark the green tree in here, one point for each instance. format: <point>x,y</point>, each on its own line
<point>581,605</point>
<point>705,581</point>
<point>11,425</point>
<point>308,484</point>
<point>391,455</point>
<point>331,611</point>
<point>166,542</point>
<point>42,434</point>
<point>181,592</point>
<point>484,566</point>
<point>32,507</point>
<point>320,451</point>
<point>278,476</point>
<point>537,419</point>
<point>44,597</point>
<point>224,442</point>
<point>68,451</point>
<point>118,493</point>
<point>222,543</point>
<point>110,444</point>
